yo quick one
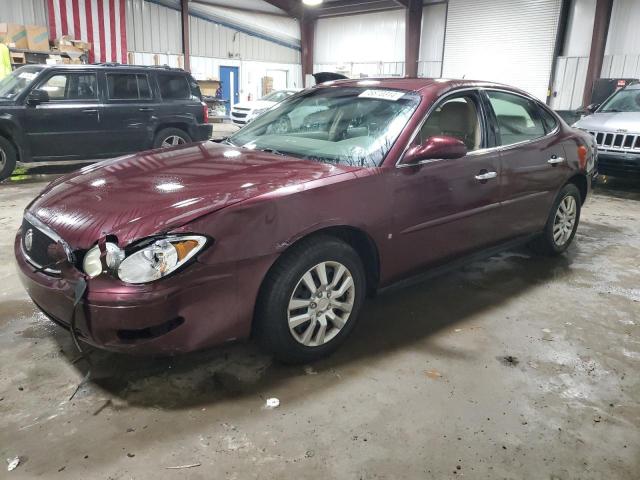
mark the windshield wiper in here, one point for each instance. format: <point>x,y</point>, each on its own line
<point>271,150</point>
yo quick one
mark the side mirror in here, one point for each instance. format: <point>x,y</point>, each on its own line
<point>37,96</point>
<point>592,107</point>
<point>439,147</point>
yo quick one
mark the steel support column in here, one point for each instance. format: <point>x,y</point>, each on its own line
<point>413,29</point>
<point>307,36</point>
<point>185,34</point>
<point>598,44</point>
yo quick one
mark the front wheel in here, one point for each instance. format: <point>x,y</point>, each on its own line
<point>562,223</point>
<point>310,300</point>
<point>171,137</point>
<point>7,158</point>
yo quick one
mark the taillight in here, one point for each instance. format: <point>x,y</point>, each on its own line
<point>205,112</point>
<point>582,156</point>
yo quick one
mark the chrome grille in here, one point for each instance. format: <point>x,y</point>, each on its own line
<point>620,142</point>
<point>43,243</point>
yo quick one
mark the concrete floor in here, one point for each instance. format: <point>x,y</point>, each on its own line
<point>514,367</point>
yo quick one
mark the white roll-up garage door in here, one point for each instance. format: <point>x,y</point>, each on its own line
<point>507,41</point>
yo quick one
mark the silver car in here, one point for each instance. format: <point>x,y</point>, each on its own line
<point>616,127</point>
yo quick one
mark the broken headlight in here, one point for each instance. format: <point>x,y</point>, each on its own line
<point>153,260</point>
<point>159,258</point>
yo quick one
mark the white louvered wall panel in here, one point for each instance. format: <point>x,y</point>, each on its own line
<point>25,12</point>
<point>507,41</point>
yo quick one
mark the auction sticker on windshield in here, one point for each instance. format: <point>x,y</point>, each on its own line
<point>391,95</point>
<point>28,75</point>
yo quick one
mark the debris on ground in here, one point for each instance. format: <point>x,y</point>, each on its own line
<point>12,463</point>
<point>272,403</point>
<point>597,419</point>
<point>310,371</point>
<point>546,335</point>
<point>509,360</point>
<point>433,374</point>
<point>80,385</point>
<point>191,465</point>
<point>309,453</point>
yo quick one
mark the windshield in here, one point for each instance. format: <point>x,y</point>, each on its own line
<point>277,96</point>
<point>18,80</point>
<point>627,100</point>
<point>346,126</point>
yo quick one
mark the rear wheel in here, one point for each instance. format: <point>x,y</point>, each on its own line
<point>562,223</point>
<point>310,300</point>
<point>171,137</point>
<point>8,158</point>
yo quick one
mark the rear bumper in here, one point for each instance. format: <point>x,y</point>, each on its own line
<point>618,163</point>
<point>194,309</point>
<point>202,132</point>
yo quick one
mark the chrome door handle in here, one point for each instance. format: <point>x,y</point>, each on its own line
<point>145,109</point>
<point>555,160</point>
<point>90,111</point>
<point>486,176</point>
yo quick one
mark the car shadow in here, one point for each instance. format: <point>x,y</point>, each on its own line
<point>618,187</point>
<point>389,322</point>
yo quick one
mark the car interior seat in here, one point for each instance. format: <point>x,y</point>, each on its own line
<point>460,120</point>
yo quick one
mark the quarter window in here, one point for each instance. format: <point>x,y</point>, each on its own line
<point>549,121</point>
<point>518,118</point>
<point>173,87</point>
<point>71,86</point>
<point>128,86</point>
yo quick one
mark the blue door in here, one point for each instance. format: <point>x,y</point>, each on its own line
<point>229,76</point>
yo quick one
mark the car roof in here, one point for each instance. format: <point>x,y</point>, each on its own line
<point>440,85</point>
<point>113,66</point>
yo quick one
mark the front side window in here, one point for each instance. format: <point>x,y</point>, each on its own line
<point>173,87</point>
<point>71,86</point>
<point>456,117</point>
<point>518,119</point>
<point>626,100</point>
<point>128,86</point>
<point>347,126</point>
<point>18,80</point>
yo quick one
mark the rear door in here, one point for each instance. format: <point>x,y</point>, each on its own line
<point>129,111</point>
<point>447,207</point>
<point>69,126</point>
<point>533,159</point>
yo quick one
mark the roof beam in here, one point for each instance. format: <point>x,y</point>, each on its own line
<point>291,7</point>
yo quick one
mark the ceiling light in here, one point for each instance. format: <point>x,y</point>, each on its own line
<point>312,3</point>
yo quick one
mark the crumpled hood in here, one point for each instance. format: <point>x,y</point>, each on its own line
<point>140,195</point>
<point>611,122</point>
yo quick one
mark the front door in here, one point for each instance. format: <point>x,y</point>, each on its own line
<point>69,126</point>
<point>533,158</point>
<point>448,207</point>
<point>230,79</point>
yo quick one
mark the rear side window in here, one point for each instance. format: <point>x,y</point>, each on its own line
<point>174,87</point>
<point>128,86</point>
<point>518,118</point>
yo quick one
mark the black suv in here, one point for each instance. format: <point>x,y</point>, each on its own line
<point>91,112</point>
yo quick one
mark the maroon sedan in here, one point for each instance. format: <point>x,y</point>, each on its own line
<point>282,230</point>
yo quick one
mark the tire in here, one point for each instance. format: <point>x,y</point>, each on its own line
<point>8,158</point>
<point>549,242</point>
<point>180,137</point>
<point>285,282</point>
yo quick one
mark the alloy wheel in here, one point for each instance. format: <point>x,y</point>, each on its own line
<point>321,304</point>
<point>564,220</point>
<point>172,141</point>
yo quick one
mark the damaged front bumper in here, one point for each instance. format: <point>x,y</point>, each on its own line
<point>196,309</point>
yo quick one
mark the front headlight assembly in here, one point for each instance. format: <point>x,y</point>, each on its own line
<point>153,260</point>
